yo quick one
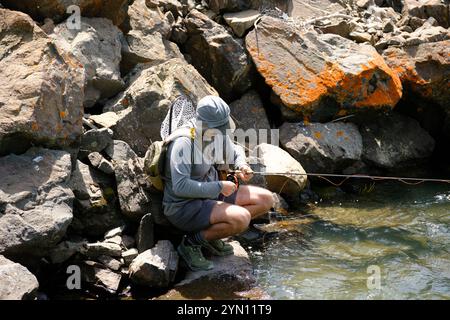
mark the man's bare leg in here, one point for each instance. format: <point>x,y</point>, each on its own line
<point>255,199</point>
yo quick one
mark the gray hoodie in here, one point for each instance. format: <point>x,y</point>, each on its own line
<point>183,184</point>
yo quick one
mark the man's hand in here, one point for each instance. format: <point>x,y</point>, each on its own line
<point>246,173</point>
<point>228,188</point>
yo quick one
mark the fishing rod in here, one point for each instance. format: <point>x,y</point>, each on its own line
<point>406,180</point>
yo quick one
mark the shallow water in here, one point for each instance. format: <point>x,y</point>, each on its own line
<point>330,250</point>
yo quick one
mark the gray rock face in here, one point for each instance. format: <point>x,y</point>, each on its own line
<point>425,9</point>
<point>114,10</point>
<point>270,158</point>
<point>392,140</point>
<point>35,201</point>
<point>145,237</point>
<point>322,148</point>
<point>147,39</point>
<point>131,180</point>
<point>240,22</point>
<point>219,57</point>
<point>95,207</point>
<point>100,276</point>
<point>41,88</point>
<point>155,267</point>
<point>97,45</point>
<point>144,104</point>
<point>248,113</point>
<point>99,162</point>
<point>16,282</point>
<point>95,140</point>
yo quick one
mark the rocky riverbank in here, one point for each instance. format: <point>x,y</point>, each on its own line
<point>353,87</point>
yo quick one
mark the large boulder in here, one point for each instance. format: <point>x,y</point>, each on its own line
<point>220,6</point>
<point>97,45</point>
<point>144,104</point>
<point>132,183</point>
<point>314,9</point>
<point>147,39</point>
<point>219,57</point>
<point>95,206</point>
<point>279,165</point>
<point>115,10</point>
<point>394,140</point>
<point>321,75</point>
<point>41,88</point>
<point>155,267</point>
<point>255,125</point>
<point>424,70</point>
<point>35,201</point>
<point>322,148</point>
<point>16,282</point>
<point>428,8</point>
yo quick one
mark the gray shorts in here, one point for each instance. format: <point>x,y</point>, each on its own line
<point>195,215</point>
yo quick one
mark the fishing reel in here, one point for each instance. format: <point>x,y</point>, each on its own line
<point>232,177</point>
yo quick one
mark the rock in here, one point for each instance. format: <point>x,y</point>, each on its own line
<point>313,9</point>
<point>231,274</point>
<point>249,104</point>
<point>120,151</point>
<point>131,180</point>
<point>94,250</point>
<point>147,39</point>
<point>340,27</point>
<point>57,10</point>
<point>240,22</point>
<point>110,262</point>
<point>364,4</point>
<point>129,255</point>
<point>429,34</point>
<point>155,267</point>
<point>96,202</point>
<point>145,235</point>
<point>96,140</point>
<point>429,8</point>
<point>100,163</point>
<point>424,70</point>
<point>114,232</point>
<point>219,57</point>
<point>360,36</point>
<point>16,282</point>
<point>388,26</point>
<point>176,7</point>
<point>321,75</point>
<point>128,242</point>
<point>101,277</point>
<point>149,96</point>
<point>41,88</point>
<point>115,240</point>
<point>106,120</point>
<point>322,148</point>
<point>97,45</point>
<point>390,141</point>
<point>65,250</point>
<point>35,201</point>
<point>219,6</point>
<point>272,159</point>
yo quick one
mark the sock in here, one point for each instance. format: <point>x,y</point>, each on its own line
<point>195,238</point>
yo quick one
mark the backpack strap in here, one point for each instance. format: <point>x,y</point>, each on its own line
<point>180,132</point>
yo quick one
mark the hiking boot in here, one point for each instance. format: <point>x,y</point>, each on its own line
<point>193,256</point>
<point>218,247</point>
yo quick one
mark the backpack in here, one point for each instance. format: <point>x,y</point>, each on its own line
<point>181,111</point>
<point>156,155</point>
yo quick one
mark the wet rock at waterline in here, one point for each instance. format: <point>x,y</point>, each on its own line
<point>155,267</point>
<point>35,201</point>
<point>96,206</point>
<point>424,70</point>
<point>149,95</point>
<point>16,282</point>
<point>321,75</point>
<point>390,141</point>
<point>321,147</point>
<point>57,10</point>
<point>41,88</point>
<point>97,45</point>
<point>269,158</point>
<point>232,273</point>
<point>217,55</point>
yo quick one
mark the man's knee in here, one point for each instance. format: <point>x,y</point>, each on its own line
<point>241,220</point>
<point>266,198</point>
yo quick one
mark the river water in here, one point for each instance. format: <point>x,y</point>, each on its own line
<point>390,243</point>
